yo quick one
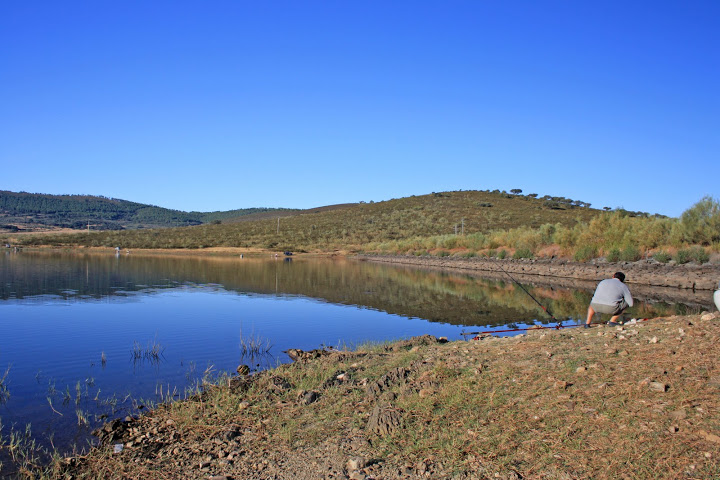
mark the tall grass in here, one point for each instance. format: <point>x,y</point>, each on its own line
<point>254,345</point>
<point>153,351</point>
<point>4,392</point>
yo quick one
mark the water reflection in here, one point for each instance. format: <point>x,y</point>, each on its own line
<point>432,295</point>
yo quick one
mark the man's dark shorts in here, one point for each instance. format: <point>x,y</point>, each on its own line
<point>610,309</point>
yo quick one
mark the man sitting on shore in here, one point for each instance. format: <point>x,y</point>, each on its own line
<point>611,297</point>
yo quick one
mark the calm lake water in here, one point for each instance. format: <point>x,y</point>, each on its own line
<point>75,330</point>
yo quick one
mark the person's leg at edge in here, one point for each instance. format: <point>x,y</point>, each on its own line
<point>591,313</point>
<point>618,313</point>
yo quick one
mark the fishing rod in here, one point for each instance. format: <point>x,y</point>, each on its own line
<point>536,327</point>
<point>530,295</point>
<point>634,321</point>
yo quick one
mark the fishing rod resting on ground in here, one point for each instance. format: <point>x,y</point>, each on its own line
<point>634,321</point>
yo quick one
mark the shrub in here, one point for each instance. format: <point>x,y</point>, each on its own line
<point>613,255</point>
<point>523,253</point>
<point>502,254</point>
<point>696,254</point>
<point>701,222</point>
<point>683,256</point>
<point>662,257</point>
<point>585,253</point>
<point>699,255</point>
<point>443,253</point>
<point>470,255</point>
<point>553,205</point>
<point>630,254</point>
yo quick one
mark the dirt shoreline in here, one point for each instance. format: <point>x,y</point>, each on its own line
<point>551,404</point>
<point>641,273</point>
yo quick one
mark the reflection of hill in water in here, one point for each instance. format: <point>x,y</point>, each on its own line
<point>433,295</point>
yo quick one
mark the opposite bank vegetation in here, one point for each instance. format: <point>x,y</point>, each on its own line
<point>513,226</point>
<point>637,401</point>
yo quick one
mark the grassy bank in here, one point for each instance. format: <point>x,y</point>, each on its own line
<point>637,401</point>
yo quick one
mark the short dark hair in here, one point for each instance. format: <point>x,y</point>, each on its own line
<point>620,276</point>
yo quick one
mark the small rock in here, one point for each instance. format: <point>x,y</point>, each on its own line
<point>243,370</point>
<point>658,387</point>
<point>679,414</point>
<point>243,405</point>
<point>309,397</point>
<point>673,429</point>
<point>653,340</point>
<point>623,353</point>
<point>562,385</point>
<point>581,369</point>
<point>355,463</point>
<point>117,448</point>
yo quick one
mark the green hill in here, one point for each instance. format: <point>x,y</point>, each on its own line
<point>33,211</point>
<point>352,225</point>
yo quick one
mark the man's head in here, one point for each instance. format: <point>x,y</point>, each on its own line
<point>620,276</point>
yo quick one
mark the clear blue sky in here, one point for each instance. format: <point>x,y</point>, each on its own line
<point>232,104</point>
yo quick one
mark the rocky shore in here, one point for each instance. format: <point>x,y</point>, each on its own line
<point>636,401</point>
<point>642,273</point>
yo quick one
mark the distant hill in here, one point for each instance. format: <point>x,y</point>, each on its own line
<point>35,211</point>
<point>355,225</point>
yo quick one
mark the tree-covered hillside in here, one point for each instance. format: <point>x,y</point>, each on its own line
<point>32,210</point>
<point>353,226</point>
